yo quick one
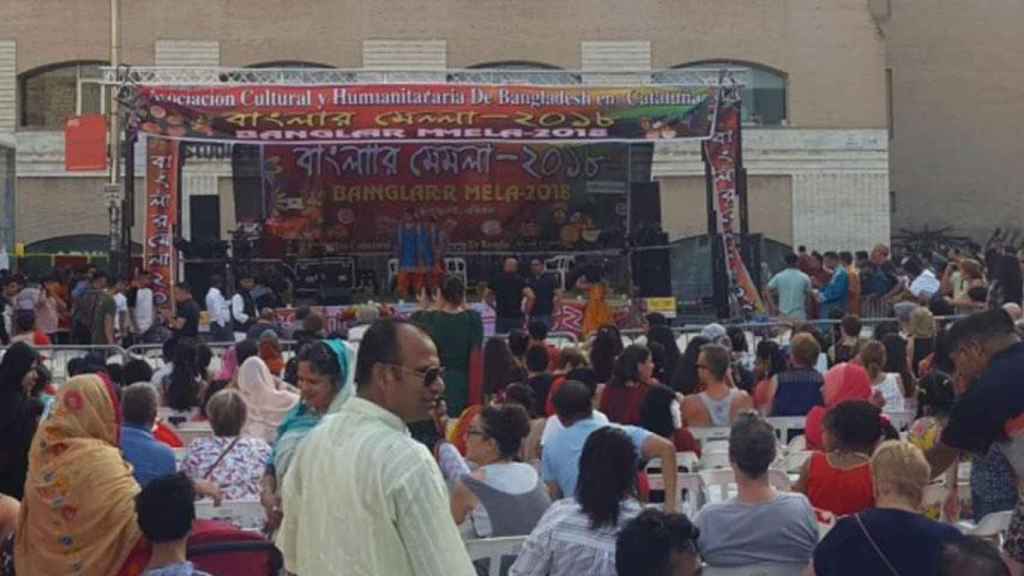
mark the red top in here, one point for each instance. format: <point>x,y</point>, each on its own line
<point>622,404</point>
<point>841,492</point>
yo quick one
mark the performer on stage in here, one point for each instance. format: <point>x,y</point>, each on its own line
<point>597,313</point>
<point>407,242</point>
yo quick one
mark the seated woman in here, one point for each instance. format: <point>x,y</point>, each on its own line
<point>769,361</point>
<point>501,497</point>
<point>888,385</point>
<point>797,390</point>
<point>839,479</point>
<point>266,398</point>
<point>661,413</point>
<point>631,379</point>
<point>234,463</point>
<point>893,537</point>
<point>183,387</point>
<point>843,382</point>
<point>577,535</point>
<point>78,514</point>
<point>324,369</point>
<point>522,395</point>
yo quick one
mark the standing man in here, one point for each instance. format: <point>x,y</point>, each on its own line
<point>243,306</point>
<point>362,496</point>
<point>835,296</point>
<point>846,258</point>
<point>104,311</point>
<point>989,410</point>
<point>218,311</point>
<point>544,291</point>
<point>142,312</point>
<point>120,309</point>
<point>791,287</point>
<point>185,323</point>
<point>506,294</point>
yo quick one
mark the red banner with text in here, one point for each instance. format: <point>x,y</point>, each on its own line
<point>468,197</point>
<point>161,214</point>
<point>427,112</point>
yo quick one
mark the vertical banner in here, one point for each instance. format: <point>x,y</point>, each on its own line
<point>722,151</point>
<point>161,214</point>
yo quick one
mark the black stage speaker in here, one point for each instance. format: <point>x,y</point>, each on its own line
<point>652,272</point>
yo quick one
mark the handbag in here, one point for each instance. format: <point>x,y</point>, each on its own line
<point>878,550</point>
<point>217,462</point>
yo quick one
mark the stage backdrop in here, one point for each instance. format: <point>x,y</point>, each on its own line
<point>419,156</point>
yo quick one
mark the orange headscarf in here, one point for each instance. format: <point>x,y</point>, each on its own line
<point>846,381</point>
<point>78,514</point>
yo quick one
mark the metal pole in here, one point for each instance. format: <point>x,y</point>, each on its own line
<point>115,142</point>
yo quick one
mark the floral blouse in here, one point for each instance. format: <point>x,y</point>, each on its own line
<point>238,474</point>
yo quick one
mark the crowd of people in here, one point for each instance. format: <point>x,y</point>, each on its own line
<point>89,307</point>
<point>387,457</point>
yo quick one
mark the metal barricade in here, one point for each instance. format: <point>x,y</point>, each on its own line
<point>56,358</point>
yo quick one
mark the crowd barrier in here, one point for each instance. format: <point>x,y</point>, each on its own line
<point>56,358</point>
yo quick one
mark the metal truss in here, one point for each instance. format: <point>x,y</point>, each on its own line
<point>125,76</point>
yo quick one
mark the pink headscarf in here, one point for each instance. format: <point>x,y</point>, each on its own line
<point>228,365</point>
<point>846,381</point>
<point>267,404</point>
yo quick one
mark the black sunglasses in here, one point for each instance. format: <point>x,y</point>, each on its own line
<point>430,375</point>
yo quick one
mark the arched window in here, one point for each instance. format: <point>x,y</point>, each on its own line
<point>49,95</point>
<point>514,72</point>
<point>764,92</point>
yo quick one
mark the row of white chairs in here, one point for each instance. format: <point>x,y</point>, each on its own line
<point>496,551</point>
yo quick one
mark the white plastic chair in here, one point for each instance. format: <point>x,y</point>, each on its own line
<point>720,484</point>
<point>716,457</point>
<point>795,460</point>
<point>993,526</point>
<point>189,431</point>
<point>784,424</point>
<point>797,444</point>
<point>705,434</point>
<point>246,514</point>
<point>755,570</point>
<point>901,420</point>
<point>685,462</point>
<point>690,489</point>
<point>493,550</point>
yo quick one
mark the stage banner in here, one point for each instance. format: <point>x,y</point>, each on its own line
<point>161,214</point>
<point>465,197</point>
<point>722,152</point>
<point>426,113</point>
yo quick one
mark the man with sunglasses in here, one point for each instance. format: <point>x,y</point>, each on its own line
<point>362,496</point>
<point>989,358</point>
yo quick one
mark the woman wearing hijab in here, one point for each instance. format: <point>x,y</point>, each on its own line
<point>19,414</point>
<point>846,381</point>
<point>78,511</point>
<point>325,381</point>
<point>267,402</point>
<point>270,352</point>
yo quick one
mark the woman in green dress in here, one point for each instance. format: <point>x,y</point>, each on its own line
<point>458,332</point>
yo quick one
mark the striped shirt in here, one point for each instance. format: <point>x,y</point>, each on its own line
<point>363,498</point>
<point>563,544</point>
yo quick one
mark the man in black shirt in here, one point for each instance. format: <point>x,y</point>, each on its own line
<point>506,293</point>
<point>543,286</point>
<point>185,323</point>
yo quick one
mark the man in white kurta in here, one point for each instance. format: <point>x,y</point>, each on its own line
<point>362,497</point>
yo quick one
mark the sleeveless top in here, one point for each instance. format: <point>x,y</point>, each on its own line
<point>719,410</point>
<point>798,391</point>
<point>841,492</point>
<point>508,514</point>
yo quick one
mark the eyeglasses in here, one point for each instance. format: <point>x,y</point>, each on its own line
<point>476,432</point>
<point>430,376</point>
